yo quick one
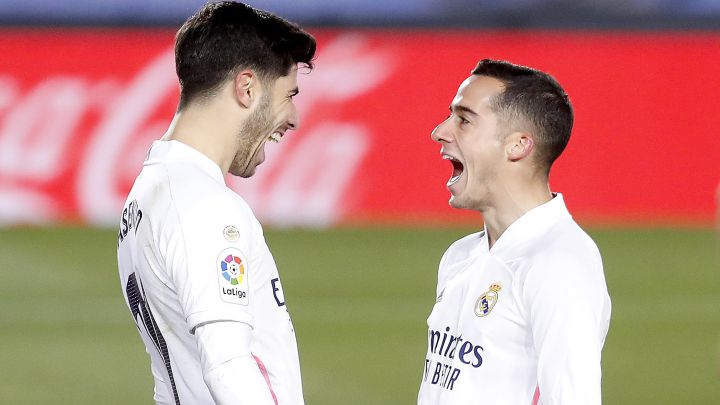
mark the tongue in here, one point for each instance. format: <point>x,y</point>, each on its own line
<point>457,168</point>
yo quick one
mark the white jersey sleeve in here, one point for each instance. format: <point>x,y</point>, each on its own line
<point>566,297</point>
<point>209,265</point>
<point>229,369</point>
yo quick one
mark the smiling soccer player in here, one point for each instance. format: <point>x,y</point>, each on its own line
<point>198,278</point>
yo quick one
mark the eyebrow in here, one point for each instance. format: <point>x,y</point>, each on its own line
<point>462,108</point>
<point>294,92</point>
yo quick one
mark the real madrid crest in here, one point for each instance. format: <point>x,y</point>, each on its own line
<point>487,301</point>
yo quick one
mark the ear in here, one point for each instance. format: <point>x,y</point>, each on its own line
<point>519,145</point>
<point>245,86</point>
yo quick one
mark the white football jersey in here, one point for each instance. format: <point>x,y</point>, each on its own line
<point>190,252</point>
<point>521,323</point>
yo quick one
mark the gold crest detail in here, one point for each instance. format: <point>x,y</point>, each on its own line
<point>231,233</point>
<point>486,302</point>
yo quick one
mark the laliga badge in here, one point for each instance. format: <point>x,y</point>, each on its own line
<point>231,233</point>
<point>487,301</point>
<point>232,277</point>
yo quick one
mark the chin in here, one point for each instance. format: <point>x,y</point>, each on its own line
<point>247,173</point>
<point>455,202</point>
<point>244,173</point>
<point>464,203</point>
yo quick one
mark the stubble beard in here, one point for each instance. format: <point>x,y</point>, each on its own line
<point>478,197</point>
<point>251,138</point>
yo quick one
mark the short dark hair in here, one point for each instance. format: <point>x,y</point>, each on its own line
<point>534,99</point>
<point>226,36</point>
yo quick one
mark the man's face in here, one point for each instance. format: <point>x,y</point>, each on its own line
<point>274,114</point>
<point>470,141</point>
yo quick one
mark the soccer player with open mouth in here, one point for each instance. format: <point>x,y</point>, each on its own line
<point>196,273</point>
<point>522,307</point>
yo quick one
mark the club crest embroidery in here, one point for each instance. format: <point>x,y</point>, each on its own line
<point>486,302</point>
<point>232,277</point>
<point>231,233</point>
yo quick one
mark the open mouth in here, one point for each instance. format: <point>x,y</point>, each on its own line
<point>458,168</point>
<point>275,136</point>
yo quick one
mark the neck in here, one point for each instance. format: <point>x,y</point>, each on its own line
<point>207,129</point>
<point>510,202</point>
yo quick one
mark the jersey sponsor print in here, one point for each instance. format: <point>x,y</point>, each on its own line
<point>448,346</point>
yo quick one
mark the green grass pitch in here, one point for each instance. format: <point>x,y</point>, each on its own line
<point>359,299</point>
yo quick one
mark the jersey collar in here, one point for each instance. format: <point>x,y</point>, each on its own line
<point>534,223</point>
<point>180,152</point>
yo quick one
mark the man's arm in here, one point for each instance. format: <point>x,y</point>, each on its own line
<point>229,369</point>
<point>569,315</point>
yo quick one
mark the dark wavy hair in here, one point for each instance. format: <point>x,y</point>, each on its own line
<point>225,37</point>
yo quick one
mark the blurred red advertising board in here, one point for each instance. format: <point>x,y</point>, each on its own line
<point>79,109</point>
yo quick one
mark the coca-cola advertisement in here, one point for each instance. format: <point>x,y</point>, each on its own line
<point>79,109</point>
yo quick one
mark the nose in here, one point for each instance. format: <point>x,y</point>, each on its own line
<point>293,120</point>
<point>441,133</point>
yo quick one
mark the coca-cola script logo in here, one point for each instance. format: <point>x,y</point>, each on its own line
<point>71,146</point>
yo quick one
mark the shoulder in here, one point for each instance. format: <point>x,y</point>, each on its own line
<point>462,248</point>
<point>566,246</point>
<point>204,209</point>
<point>566,260</point>
<point>459,251</point>
<point>196,194</point>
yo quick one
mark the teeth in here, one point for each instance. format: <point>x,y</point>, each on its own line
<point>453,180</point>
<point>275,137</point>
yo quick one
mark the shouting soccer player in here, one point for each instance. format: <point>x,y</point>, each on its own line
<point>197,275</point>
<point>522,308</point>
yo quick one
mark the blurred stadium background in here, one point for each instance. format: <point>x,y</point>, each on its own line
<point>354,203</point>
